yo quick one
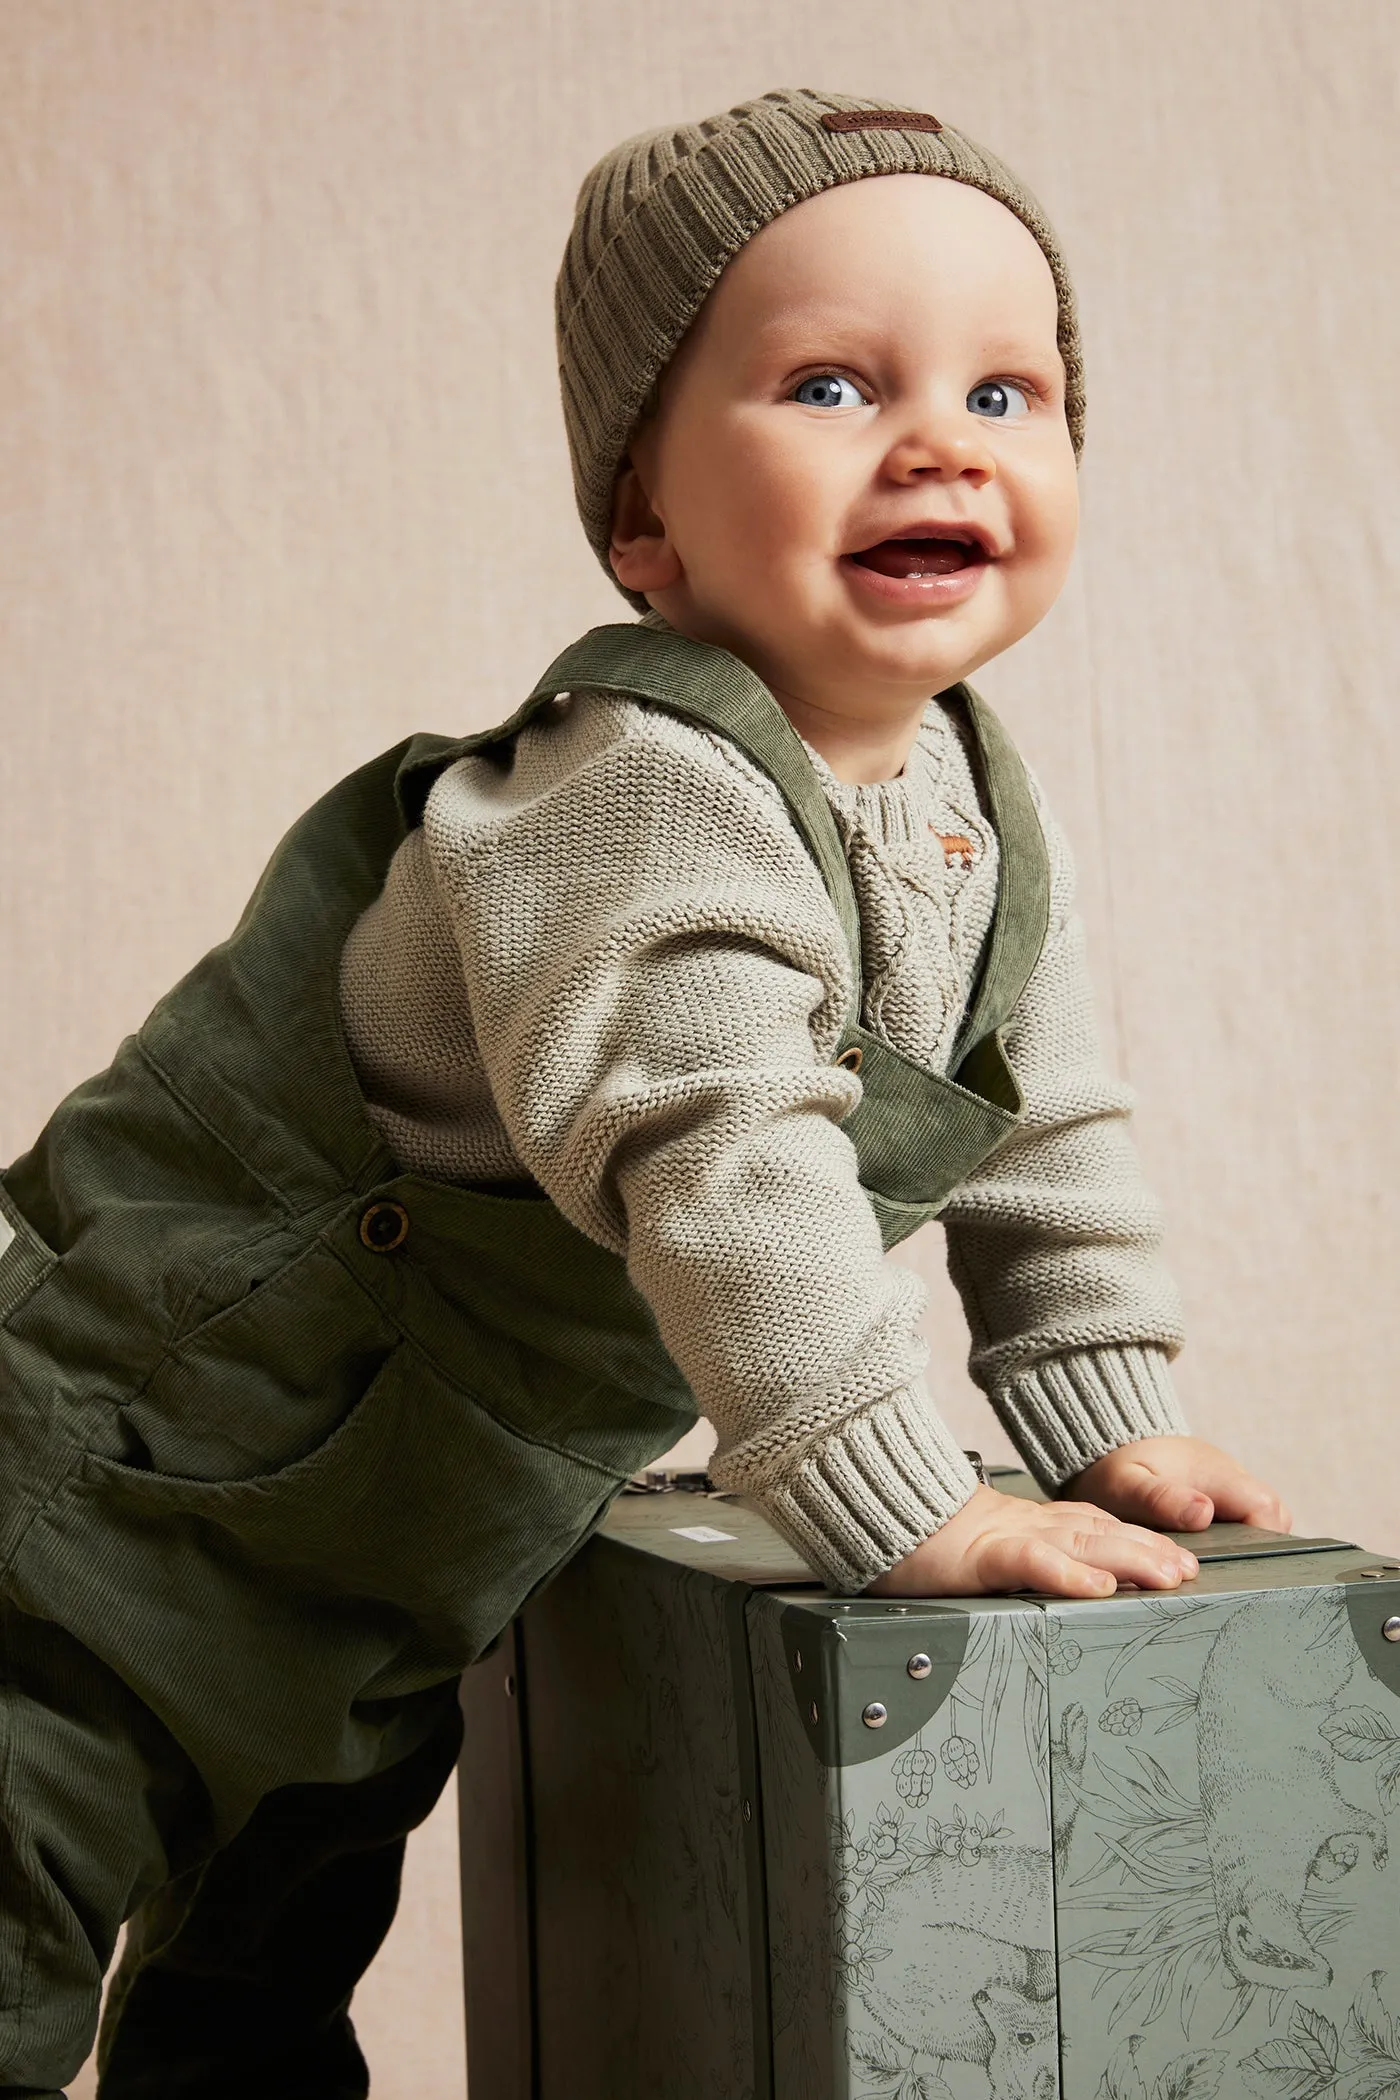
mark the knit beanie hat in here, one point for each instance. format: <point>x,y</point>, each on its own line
<point>661,215</point>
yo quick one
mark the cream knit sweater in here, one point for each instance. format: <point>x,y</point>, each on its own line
<point>608,962</point>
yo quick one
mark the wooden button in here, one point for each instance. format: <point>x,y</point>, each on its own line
<point>383,1227</point>
<point>851,1060</point>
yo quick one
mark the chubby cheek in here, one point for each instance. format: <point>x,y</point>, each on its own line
<point>740,511</point>
<point>1045,515</point>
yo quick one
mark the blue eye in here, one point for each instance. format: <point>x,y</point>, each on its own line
<point>998,398</point>
<point>829,390</point>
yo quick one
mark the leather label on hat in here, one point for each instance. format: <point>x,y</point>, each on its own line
<point>880,120</point>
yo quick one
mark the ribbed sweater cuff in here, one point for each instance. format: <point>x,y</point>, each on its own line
<point>1070,1410</point>
<point>861,1498</point>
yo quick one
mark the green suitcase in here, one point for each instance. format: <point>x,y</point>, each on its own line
<point>728,1837</point>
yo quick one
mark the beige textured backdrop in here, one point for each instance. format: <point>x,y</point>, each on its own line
<point>283,478</point>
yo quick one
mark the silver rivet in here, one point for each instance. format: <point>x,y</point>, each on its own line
<point>797,1662</point>
<point>510,1684</point>
<point>748,1811</point>
<point>1372,1574</point>
<point>875,1715</point>
<point>1391,1629</point>
<point>920,1666</point>
<point>815,1715</point>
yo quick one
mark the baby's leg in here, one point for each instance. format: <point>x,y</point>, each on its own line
<point>236,1980</point>
<point>95,1802</point>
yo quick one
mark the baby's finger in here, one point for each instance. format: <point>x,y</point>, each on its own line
<point>1130,1555</point>
<point>1031,1561</point>
<point>1087,1517</point>
<point>1171,1505</point>
<point>1137,1491</point>
<point>1265,1510</point>
<point>1241,1499</point>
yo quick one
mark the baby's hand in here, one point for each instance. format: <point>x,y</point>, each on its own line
<point>1180,1484</point>
<point>998,1543</point>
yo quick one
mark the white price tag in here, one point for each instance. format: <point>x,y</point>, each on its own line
<point>704,1534</point>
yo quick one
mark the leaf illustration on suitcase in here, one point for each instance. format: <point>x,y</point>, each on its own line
<point>1126,1715</point>
<point>1187,1619</point>
<point>991,1650</point>
<point>1361,1735</point>
<point>1195,2076</point>
<point>1141,1818</point>
<point>1304,2066</point>
<point>894,2079</point>
<point>959,1836</point>
<point>1314,2062</point>
<point>1192,2077</point>
<point>1372,2034</point>
<point>893,1846</point>
<point>857,1900</point>
<point>994,1645</point>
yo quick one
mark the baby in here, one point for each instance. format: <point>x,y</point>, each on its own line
<point>731,959</point>
<point>856,474</point>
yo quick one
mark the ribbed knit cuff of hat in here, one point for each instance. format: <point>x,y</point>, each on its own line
<point>1069,1410</point>
<point>855,1501</point>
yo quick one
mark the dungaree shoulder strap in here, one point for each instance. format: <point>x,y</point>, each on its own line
<point>711,687</point>
<point>1022,917</point>
<point>708,686</point>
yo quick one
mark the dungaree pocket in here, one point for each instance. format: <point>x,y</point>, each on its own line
<point>279,1623</point>
<point>418,1503</point>
<point>264,1382</point>
<point>25,1259</point>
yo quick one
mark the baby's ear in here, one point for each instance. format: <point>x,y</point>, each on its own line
<point>641,554</point>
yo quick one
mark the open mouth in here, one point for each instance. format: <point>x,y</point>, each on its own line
<point>943,556</point>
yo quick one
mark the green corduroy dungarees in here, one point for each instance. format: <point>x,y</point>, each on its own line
<point>287,1436</point>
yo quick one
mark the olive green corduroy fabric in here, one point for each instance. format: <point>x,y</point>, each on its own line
<point>268,1478</point>
<point>659,217</point>
<point>235,1979</point>
<point>272,1469</point>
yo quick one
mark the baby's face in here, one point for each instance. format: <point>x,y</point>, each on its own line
<point>860,478</point>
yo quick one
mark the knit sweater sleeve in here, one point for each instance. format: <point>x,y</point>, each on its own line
<point>656,1021</point>
<point>1054,1244</point>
